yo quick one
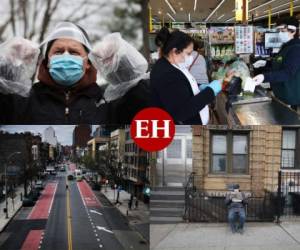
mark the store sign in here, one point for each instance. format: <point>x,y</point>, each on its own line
<point>244,39</point>
<point>239,10</point>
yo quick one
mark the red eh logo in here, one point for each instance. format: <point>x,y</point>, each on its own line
<point>152,129</point>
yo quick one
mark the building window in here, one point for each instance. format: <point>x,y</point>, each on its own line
<point>240,154</point>
<point>288,148</point>
<point>174,150</point>
<point>229,153</point>
<point>219,153</point>
<point>189,148</point>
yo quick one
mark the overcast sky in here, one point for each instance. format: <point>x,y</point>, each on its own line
<point>63,132</point>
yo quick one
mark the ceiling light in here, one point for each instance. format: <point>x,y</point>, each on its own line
<point>189,17</point>
<point>195,5</point>
<point>220,17</point>
<point>168,14</point>
<point>171,7</point>
<point>262,5</point>
<point>279,6</point>
<point>213,12</point>
<point>275,13</point>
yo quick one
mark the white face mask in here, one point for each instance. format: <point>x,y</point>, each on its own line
<point>284,36</point>
<point>188,60</point>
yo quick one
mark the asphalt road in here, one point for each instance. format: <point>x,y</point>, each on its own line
<point>75,221</point>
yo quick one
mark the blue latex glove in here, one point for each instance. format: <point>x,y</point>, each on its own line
<point>203,86</point>
<point>216,86</point>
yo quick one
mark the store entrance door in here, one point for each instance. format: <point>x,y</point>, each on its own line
<point>174,164</point>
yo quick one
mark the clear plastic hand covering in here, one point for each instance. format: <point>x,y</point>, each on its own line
<point>120,64</point>
<point>241,70</point>
<point>67,30</point>
<point>18,63</point>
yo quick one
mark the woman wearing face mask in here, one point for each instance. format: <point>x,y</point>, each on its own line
<point>173,88</point>
<point>67,91</point>
<point>284,76</point>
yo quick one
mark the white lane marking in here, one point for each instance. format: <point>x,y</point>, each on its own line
<point>104,229</point>
<point>96,235</point>
<point>98,239</point>
<point>52,198</point>
<point>100,246</point>
<point>95,212</point>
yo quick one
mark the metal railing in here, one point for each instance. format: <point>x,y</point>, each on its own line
<point>289,193</point>
<point>204,207</point>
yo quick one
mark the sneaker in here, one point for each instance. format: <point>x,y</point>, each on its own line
<point>241,230</point>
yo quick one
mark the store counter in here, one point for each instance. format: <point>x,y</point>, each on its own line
<point>265,111</point>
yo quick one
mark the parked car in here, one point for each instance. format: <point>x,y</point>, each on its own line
<point>70,177</point>
<point>39,185</point>
<point>95,186</point>
<point>28,202</point>
<point>53,172</point>
<point>34,194</point>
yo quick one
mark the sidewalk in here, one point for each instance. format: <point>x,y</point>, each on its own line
<point>12,207</point>
<point>257,236</point>
<point>138,218</point>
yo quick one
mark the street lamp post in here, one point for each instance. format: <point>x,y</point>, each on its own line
<point>5,175</point>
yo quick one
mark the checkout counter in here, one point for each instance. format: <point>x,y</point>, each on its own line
<point>263,108</point>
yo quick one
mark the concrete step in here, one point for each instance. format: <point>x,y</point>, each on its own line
<point>172,209</point>
<point>165,220</point>
<point>168,192</point>
<point>166,203</point>
<point>167,189</point>
<point>166,213</point>
<point>167,197</point>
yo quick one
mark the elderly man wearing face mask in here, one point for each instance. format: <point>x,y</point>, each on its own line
<point>66,92</point>
<point>284,76</point>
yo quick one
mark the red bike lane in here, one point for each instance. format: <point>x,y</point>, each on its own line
<point>88,197</point>
<point>42,208</point>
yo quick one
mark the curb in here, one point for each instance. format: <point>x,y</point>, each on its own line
<point>130,225</point>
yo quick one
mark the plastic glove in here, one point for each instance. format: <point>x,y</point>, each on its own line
<point>203,86</point>
<point>259,79</point>
<point>259,64</point>
<point>18,63</point>
<point>249,85</point>
<point>216,86</point>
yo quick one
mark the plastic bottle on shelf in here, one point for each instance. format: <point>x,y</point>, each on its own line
<point>213,51</point>
<point>223,51</point>
<point>218,52</point>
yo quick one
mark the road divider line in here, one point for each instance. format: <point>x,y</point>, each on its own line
<point>69,223</point>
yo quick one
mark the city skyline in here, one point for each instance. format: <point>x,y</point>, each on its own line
<point>63,132</point>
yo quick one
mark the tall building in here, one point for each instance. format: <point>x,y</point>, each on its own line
<point>101,136</point>
<point>21,153</point>
<point>49,136</point>
<point>136,166</point>
<point>81,135</point>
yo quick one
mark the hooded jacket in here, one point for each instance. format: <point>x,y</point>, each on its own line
<point>49,103</point>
